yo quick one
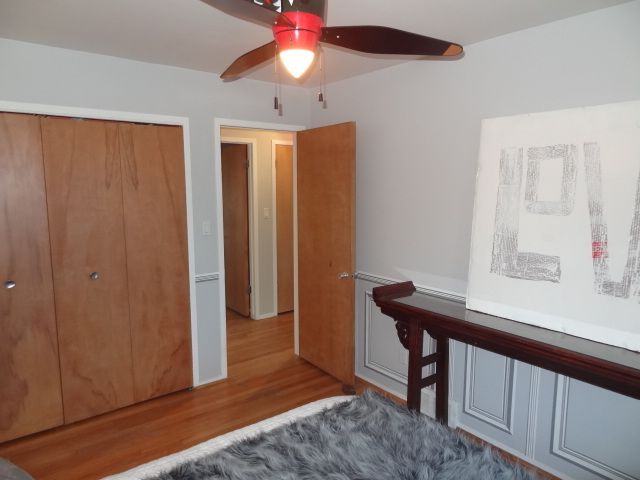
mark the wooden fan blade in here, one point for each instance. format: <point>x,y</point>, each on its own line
<point>250,60</point>
<point>248,10</point>
<point>388,41</point>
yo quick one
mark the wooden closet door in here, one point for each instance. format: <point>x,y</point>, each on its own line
<point>30,398</point>
<point>157,257</point>
<point>84,192</point>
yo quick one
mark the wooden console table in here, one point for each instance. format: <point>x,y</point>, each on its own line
<point>605,366</point>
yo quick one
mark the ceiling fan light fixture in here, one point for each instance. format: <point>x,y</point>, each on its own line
<point>297,60</point>
<point>297,46</point>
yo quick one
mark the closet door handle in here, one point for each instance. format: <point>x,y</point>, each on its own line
<point>94,276</point>
<point>9,284</point>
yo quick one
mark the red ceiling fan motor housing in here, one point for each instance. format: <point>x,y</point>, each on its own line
<point>305,35</point>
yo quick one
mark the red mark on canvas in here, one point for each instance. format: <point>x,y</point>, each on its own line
<point>599,249</point>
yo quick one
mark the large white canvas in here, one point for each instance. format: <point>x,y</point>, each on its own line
<point>556,227</point>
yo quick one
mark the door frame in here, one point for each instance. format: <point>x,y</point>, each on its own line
<point>220,123</point>
<point>274,209</point>
<point>122,116</point>
<point>252,220</point>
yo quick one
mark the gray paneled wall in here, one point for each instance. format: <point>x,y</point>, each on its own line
<point>566,427</point>
<point>209,333</point>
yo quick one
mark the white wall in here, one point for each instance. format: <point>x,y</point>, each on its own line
<point>419,131</point>
<point>39,74</point>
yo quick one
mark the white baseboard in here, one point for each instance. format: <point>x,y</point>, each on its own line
<point>210,380</point>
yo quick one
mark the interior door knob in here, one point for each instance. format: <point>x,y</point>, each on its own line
<point>345,275</point>
<point>94,276</point>
<point>9,284</point>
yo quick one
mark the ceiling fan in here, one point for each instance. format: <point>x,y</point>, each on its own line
<point>298,26</point>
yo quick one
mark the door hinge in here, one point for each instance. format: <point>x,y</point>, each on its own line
<point>246,164</point>
<point>249,289</point>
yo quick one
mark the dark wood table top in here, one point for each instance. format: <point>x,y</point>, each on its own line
<point>610,367</point>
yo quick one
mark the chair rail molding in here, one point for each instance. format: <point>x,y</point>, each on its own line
<point>207,277</point>
<point>436,292</point>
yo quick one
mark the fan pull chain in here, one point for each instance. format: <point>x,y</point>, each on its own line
<point>276,100</point>
<point>277,104</point>
<point>322,94</point>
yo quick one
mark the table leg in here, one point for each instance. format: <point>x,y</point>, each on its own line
<point>414,387</point>
<point>442,382</point>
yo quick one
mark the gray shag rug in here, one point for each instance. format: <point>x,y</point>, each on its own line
<point>367,438</point>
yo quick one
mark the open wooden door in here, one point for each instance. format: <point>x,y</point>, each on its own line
<point>284,209</point>
<point>235,206</point>
<point>326,248</point>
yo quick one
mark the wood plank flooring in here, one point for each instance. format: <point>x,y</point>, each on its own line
<point>265,379</point>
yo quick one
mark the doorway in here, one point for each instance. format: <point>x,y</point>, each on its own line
<point>323,250</point>
<point>258,224</point>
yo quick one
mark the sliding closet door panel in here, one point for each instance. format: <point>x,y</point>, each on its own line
<point>157,257</point>
<point>84,191</point>
<point>30,398</point>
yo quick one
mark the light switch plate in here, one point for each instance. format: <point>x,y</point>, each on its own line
<point>206,228</point>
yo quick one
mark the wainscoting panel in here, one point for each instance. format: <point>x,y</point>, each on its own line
<point>489,392</point>
<point>594,431</point>
<point>495,393</point>
<point>381,353</point>
<point>209,335</point>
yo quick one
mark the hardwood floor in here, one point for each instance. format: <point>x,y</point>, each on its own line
<point>259,347</point>
<point>265,379</point>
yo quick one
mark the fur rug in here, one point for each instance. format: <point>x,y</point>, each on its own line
<point>367,438</point>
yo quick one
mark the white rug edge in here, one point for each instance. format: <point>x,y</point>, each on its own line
<point>155,467</point>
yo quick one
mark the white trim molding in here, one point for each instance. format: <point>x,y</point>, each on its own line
<point>137,117</point>
<point>559,446</point>
<point>253,220</point>
<point>532,418</point>
<point>433,291</point>
<point>207,277</point>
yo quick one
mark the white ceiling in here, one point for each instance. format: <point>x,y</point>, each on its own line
<point>191,34</point>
